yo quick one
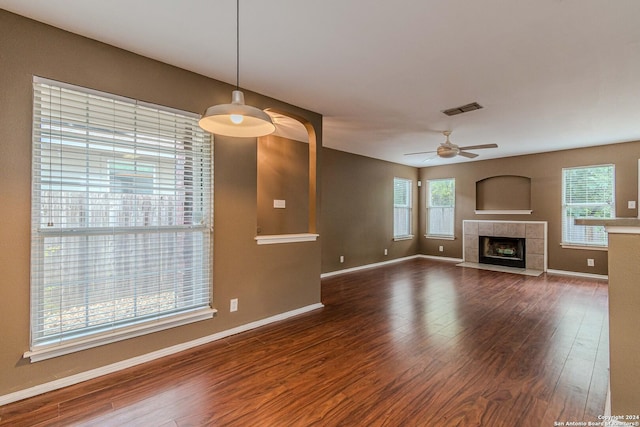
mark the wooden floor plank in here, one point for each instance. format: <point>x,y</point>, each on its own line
<point>417,343</point>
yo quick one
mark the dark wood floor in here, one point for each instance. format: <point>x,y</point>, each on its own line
<point>418,343</point>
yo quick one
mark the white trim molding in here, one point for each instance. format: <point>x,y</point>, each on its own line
<point>441,258</point>
<point>367,266</point>
<point>125,364</point>
<point>286,238</point>
<point>400,238</point>
<point>584,247</point>
<point>503,212</point>
<point>614,229</point>
<point>436,237</point>
<point>578,274</point>
<point>392,261</point>
<point>55,350</point>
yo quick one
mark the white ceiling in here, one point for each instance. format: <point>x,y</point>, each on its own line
<point>551,74</point>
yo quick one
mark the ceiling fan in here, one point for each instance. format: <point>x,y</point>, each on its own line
<point>448,149</point>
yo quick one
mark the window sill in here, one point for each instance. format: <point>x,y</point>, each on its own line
<point>286,238</point>
<point>584,247</point>
<point>54,350</point>
<point>399,238</point>
<point>438,237</point>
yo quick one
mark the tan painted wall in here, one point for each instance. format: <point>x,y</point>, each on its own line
<point>283,174</point>
<point>357,210</point>
<point>503,192</point>
<point>268,280</point>
<point>545,171</point>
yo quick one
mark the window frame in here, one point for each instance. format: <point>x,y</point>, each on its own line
<point>101,178</point>
<point>429,208</point>
<point>404,210</point>
<point>567,235</point>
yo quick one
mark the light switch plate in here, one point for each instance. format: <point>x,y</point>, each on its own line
<point>279,204</point>
<point>631,204</point>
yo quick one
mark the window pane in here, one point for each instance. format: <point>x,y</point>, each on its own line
<point>588,192</point>
<point>401,194</point>
<point>441,207</point>
<point>401,207</point>
<point>121,221</point>
<point>93,282</point>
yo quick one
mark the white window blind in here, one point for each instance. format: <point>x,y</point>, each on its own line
<point>401,208</point>
<point>588,192</point>
<point>441,200</point>
<point>121,214</point>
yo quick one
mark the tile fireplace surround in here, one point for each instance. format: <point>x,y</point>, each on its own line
<point>534,232</point>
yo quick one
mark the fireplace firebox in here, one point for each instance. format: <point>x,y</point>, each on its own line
<point>505,251</point>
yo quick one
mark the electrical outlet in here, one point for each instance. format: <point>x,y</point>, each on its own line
<point>341,259</point>
<point>233,305</point>
<point>385,252</point>
<point>441,248</point>
<point>631,204</point>
<point>590,262</point>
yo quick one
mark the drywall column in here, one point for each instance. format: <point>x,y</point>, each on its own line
<point>624,312</point>
<point>624,318</point>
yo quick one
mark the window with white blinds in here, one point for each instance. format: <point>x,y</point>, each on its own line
<point>121,216</point>
<point>402,208</point>
<point>588,192</point>
<point>441,201</point>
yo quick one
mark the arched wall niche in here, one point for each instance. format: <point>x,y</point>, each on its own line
<point>286,187</point>
<point>504,194</point>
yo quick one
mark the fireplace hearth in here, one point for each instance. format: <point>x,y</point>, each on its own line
<point>505,251</point>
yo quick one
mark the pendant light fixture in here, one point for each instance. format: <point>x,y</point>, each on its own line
<point>237,119</point>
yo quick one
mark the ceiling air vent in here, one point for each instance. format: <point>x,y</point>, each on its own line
<point>462,109</point>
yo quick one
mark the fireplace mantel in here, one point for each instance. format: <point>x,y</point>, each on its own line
<point>535,233</point>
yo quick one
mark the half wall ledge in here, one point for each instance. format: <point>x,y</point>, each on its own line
<point>503,211</point>
<point>286,238</point>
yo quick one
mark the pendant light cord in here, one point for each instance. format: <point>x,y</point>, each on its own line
<point>237,44</point>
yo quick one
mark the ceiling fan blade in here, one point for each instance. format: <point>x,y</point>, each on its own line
<point>467,155</point>
<point>478,147</point>
<point>428,159</point>
<point>419,152</point>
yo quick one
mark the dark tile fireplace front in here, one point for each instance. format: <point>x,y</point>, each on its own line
<point>505,251</point>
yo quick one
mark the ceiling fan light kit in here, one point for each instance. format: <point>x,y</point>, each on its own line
<point>237,119</point>
<point>448,149</point>
<point>447,152</point>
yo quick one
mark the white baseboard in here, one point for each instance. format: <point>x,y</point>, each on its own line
<point>456,260</point>
<point>442,258</point>
<point>366,266</point>
<point>578,274</point>
<point>392,261</point>
<point>118,366</point>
